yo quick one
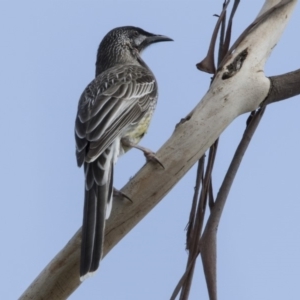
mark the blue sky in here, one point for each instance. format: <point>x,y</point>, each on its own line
<point>48,51</point>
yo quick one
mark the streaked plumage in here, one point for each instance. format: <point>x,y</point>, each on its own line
<point>114,112</point>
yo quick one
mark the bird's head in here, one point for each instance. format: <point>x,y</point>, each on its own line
<point>124,45</point>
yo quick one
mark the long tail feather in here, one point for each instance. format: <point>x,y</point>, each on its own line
<point>98,194</point>
<point>103,191</point>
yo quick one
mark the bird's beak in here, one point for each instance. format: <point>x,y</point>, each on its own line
<point>153,39</point>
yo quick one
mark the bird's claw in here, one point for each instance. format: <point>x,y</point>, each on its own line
<point>150,156</point>
<point>118,193</point>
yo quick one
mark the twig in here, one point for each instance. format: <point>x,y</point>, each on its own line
<point>208,241</point>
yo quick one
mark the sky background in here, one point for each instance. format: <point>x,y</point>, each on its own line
<point>48,51</point>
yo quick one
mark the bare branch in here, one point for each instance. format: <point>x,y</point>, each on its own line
<point>227,40</point>
<point>208,243</point>
<point>183,278</point>
<point>284,86</point>
<point>208,63</point>
<point>194,202</point>
<point>267,16</point>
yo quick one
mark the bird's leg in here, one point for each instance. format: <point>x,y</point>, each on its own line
<point>118,193</point>
<point>150,155</point>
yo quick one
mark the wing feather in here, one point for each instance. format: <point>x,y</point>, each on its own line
<point>110,103</point>
<point>107,109</point>
<point>96,148</point>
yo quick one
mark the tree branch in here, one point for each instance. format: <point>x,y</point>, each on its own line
<point>284,86</point>
<point>208,243</point>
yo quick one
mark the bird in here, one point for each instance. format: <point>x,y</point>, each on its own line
<point>114,112</point>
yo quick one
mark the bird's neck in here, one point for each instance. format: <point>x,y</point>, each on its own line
<point>105,62</point>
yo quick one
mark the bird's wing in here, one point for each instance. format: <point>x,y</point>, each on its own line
<point>115,99</point>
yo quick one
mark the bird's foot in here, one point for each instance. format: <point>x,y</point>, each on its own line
<point>119,194</point>
<point>150,156</point>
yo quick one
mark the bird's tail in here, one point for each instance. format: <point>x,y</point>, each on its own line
<point>97,207</point>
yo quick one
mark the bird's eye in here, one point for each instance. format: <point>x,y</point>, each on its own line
<point>135,34</point>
